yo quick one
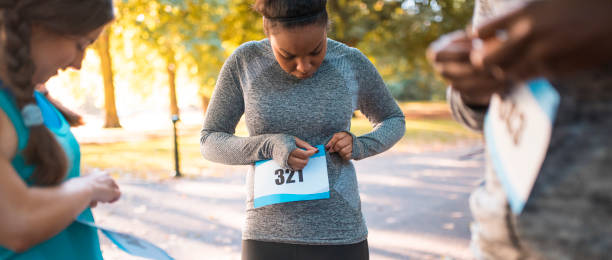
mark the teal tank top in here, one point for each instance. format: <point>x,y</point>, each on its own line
<point>77,241</point>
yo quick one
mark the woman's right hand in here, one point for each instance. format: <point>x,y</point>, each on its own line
<point>299,157</point>
<point>103,188</point>
<point>450,56</point>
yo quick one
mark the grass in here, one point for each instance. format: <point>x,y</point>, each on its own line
<point>423,131</point>
<point>423,105</point>
<point>153,158</point>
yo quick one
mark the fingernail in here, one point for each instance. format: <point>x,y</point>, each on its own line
<point>502,35</point>
<point>477,44</point>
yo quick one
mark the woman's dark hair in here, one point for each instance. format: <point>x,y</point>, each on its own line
<point>73,118</point>
<point>67,17</point>
<point>292,13</point>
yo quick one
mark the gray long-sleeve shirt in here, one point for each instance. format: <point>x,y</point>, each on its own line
<point>278,107</point>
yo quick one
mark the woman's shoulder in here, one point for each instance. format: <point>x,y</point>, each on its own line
<point>338,49</point>
<point>251,48</point>
<point>244,54</point>
<point>348,58</point>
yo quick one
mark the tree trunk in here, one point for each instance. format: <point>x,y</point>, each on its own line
<point>102,47</point>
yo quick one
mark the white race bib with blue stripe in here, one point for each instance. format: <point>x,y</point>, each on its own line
<point>274,184</point>
<point>517,131</point>
<point>131,244</point>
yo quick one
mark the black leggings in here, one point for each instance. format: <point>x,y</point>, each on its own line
<point>259,250</point>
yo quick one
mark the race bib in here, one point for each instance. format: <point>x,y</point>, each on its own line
<point>274,184</point>
<point>131,244</point>
<point>517,132</point>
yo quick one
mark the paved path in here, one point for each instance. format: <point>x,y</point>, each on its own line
<point>415,206</point>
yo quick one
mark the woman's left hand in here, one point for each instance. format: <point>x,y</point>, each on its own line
<point>342,143</point>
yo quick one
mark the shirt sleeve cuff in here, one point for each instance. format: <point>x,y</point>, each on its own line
<point>283,147</point>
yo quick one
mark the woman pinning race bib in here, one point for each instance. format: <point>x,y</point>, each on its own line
<point>298,90</point>
<point>41,192</point>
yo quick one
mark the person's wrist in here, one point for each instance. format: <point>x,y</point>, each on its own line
<point>349,134</point>
<point>80,185</point>
<point>283,146</point>
<point>355,152</point>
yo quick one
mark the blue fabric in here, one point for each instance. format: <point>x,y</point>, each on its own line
<point>52,119</point>
<point>281,198</point>
<point>77,241</point>
<point>548,98</point>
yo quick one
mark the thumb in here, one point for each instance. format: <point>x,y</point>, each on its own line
<point>303,144</point>
<point>490,28</point>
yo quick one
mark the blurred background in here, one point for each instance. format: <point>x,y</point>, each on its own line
<point>162,57</point>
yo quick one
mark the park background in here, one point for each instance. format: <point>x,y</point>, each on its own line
<point>162,57</point>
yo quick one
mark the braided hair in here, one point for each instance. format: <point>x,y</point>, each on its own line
<point>69,17</point>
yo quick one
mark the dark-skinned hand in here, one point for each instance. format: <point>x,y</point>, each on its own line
<point>547,38</point>
<point>450,56</point>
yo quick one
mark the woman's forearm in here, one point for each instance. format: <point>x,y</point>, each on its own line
<point>227,148</point>
<point>29,216</point>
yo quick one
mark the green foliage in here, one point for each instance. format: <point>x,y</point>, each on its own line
<point>197,35</point>
<point>396,34</point>
<point>181,32</point>
<point>241,24</point>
